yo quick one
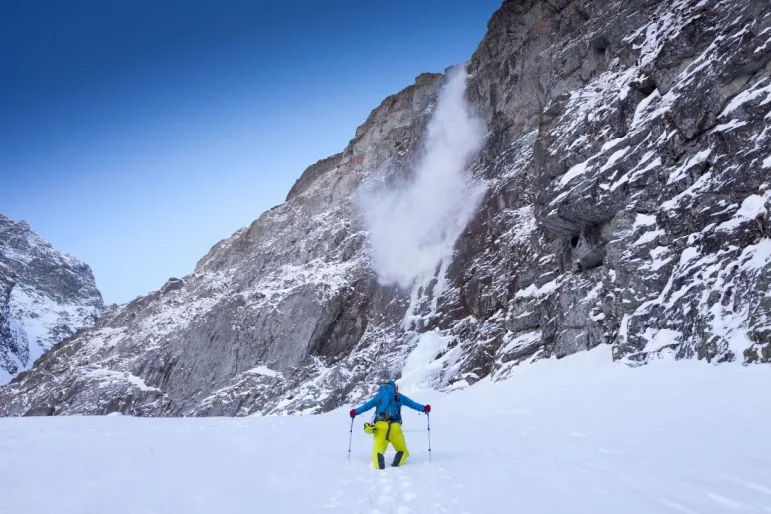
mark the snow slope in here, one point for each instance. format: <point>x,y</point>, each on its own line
<point>581,435</point>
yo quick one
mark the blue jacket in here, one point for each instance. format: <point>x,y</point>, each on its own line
<point>388,402</point>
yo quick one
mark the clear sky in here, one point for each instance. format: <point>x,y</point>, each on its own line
<point>137,134</point>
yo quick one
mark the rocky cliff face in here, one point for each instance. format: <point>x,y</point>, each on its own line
<point>45,296</point>
<point>627,167</point>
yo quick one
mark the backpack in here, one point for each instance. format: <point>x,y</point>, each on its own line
<point>388,405</point>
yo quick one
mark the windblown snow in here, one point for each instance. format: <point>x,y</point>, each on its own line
<point>414,224</point>
<point>578,435</point>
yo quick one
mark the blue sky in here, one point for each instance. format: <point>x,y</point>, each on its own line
<point>135,135</point>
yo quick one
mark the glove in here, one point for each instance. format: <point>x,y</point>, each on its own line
<point>427,409</point>
<point>353,413</point>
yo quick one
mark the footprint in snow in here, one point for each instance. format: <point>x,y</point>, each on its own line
<point>409,496</point>
<point>334,501</point>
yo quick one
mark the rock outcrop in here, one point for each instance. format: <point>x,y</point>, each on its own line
<point>45,297</point>
<point>628,164</point>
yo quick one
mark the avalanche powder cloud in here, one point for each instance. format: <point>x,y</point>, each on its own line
<point>413,226</point>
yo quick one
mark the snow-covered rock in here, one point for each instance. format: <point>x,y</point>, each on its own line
<point>625,202</point>
<point>45,297</point>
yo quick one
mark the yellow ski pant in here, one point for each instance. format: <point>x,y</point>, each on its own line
<point>385,433</point>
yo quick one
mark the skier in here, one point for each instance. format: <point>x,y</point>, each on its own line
<point>388,422</point>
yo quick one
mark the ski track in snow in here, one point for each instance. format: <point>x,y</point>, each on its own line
<point>574,436</point>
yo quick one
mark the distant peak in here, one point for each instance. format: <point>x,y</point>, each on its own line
<point>22,225</point>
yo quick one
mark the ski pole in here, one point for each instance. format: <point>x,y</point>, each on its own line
<point>350,439</point>
<point>428,424</point>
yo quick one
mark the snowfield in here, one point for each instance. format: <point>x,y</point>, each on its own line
<point>571,436</point>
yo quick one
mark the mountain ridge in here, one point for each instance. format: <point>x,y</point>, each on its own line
<point>627,205</point>
<point>46,295</point>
